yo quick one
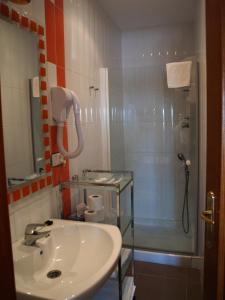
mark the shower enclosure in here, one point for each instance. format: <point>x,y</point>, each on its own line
<point>159,124</point>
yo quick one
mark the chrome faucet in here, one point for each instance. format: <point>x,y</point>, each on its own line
<point>32,235</point>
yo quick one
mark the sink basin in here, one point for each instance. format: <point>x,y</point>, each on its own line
<point>72,263</point>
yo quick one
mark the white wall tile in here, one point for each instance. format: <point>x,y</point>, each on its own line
<point>92,41</point>
<point>52,82</point>
<point>37,208</point>
<point>152,117</point>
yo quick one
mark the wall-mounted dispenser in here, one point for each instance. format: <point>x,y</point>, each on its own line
<point>179,74</point>
<point>62,101</point>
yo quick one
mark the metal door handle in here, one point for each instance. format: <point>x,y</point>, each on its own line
<point>209,215</point>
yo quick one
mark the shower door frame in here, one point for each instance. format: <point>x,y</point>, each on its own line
<point>214,267</point>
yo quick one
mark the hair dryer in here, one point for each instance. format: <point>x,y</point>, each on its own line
<point>62,101</point>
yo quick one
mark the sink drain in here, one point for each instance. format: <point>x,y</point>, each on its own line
<point>54,274</point>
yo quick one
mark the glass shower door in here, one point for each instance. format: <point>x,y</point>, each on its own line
<point>160,123</point>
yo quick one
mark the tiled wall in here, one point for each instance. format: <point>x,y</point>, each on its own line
<point>152,116</point>
<point>92,41</point>
<point>45,203</point>
<point>36,209</point>
<point>116,109</point>
<point>54,16</point>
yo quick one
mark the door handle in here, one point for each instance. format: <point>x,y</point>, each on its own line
<point>209,215</point>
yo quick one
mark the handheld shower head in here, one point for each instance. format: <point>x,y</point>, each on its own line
<point>185,209</point>
<point>181,157</point>
<point>186,163</point>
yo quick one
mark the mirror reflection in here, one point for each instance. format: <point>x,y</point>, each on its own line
<point>20,100</point>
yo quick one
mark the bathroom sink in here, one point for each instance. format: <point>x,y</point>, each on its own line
<point>72,263</point>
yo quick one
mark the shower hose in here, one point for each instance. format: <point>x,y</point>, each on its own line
<point>185,210</point>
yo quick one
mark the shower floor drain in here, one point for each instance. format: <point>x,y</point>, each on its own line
<point>54,274</point>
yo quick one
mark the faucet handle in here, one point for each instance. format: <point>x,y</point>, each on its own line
<point>30,228</point>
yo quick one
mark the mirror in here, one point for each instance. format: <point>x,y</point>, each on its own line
<point>20,100</point>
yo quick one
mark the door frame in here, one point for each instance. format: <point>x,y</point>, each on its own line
<point>214,266</point>
<point>7,282</point>
<point>221,249</point>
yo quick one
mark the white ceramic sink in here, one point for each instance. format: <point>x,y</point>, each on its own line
<point>84,253</point>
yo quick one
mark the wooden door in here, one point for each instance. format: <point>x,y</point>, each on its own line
<point>214,233</point>
<point>7,285</point>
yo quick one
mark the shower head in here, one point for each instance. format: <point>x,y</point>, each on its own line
<point>186,163</point>
<point>181,157</point>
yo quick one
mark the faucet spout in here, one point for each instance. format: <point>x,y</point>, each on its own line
<point>32,235</point>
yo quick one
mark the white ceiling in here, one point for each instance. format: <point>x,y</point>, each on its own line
<point>140,14</point>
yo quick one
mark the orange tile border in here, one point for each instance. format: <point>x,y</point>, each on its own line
<point>42,183</point>
<point>24,21</point>
<point>44,100</point>
<point>15,16</point>
<point>26,191</point>
<point>16,195</point>
<point>34,187</point>
<point>44,114</point>
<point>41,30</point>
<point>41,44</point>
<point>4,10</point>
<point>33,26</point>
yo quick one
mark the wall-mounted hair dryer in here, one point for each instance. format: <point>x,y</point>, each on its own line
<point>62,101</point>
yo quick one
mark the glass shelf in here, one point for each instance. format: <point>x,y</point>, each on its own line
<point>127,263</point>
<point>125,224</point>
<point>110,181</point>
